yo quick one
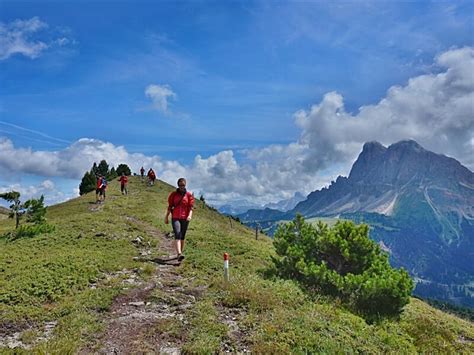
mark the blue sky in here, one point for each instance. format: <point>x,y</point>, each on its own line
<point>224,90</point>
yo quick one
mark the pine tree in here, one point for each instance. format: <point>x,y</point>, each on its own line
<point>35,210</point>
<point>88,183</point>
<point>16,207</point>
<point>123,168</point>
<point>112,174</point>
<point>342,261</point>
<point>95,169</point>
<point>103,168</point>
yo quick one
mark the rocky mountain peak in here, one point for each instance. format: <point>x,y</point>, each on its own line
<point>407,145</point>
<point>405,161</point>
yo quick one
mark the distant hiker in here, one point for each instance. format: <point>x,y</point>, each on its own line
<point>151,177</point>
<point>97,188</point>
<point>103,186</point>
<point>100,188</point>
<point>180,206</point>
<point>142,173</point>
<point>123,184</point>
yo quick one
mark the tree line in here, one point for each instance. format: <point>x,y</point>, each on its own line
<point>89,180</point>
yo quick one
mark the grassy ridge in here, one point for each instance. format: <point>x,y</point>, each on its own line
<point>48,279</point>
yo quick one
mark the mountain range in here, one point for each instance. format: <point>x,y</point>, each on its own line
<point>241,206</point>
<point>420,206</point>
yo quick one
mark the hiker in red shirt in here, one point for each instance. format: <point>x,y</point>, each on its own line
<point>100,189</point>
<point>180,206</point>
<point>123,184</point>
<point>151,176</point>
<point>97,188</point>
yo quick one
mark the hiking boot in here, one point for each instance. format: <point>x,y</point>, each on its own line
<point>180,257</point>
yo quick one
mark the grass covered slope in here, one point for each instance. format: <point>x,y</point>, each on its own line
<point>70,277</point>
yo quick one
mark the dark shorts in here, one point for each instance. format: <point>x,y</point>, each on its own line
<point>102,191</point>
<point>180,226</point>
<point>97,190</point>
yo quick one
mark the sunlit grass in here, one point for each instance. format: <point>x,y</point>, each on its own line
<point>48,278</point>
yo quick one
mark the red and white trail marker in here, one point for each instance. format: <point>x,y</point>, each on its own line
<point>226,267</point>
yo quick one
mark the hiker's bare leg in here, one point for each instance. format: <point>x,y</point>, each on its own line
<point>178,246</point>
<point>182,246</point>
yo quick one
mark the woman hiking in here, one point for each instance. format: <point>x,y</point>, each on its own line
<point>123,184</point>
<point>180,206</point>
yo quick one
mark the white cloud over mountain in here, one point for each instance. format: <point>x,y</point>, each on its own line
<point>435,109</point>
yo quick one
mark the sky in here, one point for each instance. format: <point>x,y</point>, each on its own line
<point>251,101</point>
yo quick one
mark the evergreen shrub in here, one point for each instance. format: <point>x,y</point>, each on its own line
<point>344,262</point>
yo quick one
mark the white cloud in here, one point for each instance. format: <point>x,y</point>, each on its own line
<point>435,109</point>
<point>160,95</point>
<point>18,37</point>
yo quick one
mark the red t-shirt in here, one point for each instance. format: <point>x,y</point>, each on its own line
<point>123,180</point>
<point>182,204</point>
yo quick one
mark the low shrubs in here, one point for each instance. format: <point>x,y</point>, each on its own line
<point>29,231</point>
<point>344,262</point>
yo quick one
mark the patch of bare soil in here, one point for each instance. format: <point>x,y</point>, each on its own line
<point>235,342</point>
<point>150,317</point>
<point>24,335</point>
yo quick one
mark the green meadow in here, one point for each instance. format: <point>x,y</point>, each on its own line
<point>72,275</point>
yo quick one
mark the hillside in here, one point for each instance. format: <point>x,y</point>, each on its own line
<point>4,212</point>
<point>90,286</point>
<point>419,204</point>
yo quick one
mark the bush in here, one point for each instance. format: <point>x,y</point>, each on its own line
<point>341,261</point>
<point>35,210</point>
<point>29,231</point>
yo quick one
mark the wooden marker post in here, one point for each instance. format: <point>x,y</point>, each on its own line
<point>226,267</point>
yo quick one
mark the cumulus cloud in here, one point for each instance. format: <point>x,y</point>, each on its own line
<point>437,110</point>
<point>70,162</point>
<point>275,173</point>
<point>160,95</point>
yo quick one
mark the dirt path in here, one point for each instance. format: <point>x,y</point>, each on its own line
<point>141,320</point>
<point>150,316</point>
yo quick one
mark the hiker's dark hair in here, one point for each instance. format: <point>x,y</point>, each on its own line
<point>181,180</point>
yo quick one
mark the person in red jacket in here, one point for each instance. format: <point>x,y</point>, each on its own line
<point>97,189</point>
<point>123,184</point>
<point>180,206</point>
<point>151,177</point>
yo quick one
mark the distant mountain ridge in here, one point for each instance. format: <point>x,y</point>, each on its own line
<point>286,205</point>
<point>420,206</point>
<point>380,176</point>
<point>243,206</point>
